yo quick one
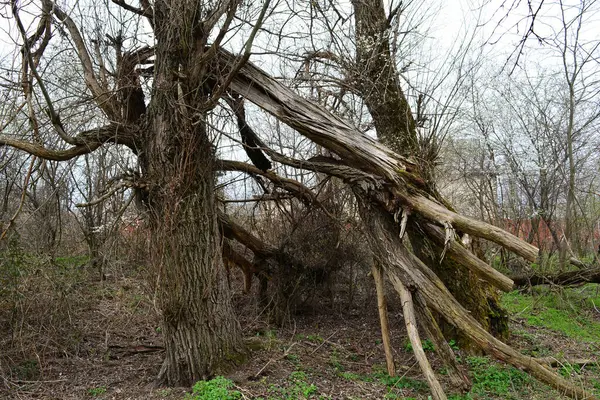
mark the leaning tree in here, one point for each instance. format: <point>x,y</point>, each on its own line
<point>157,100</point>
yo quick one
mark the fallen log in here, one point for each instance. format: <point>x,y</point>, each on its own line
<point>232,258</point>
<point>568,278</point>
<point>555,362</point>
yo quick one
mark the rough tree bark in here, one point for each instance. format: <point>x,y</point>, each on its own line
<point>202,334</point>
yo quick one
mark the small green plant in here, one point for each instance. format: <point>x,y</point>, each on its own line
<point>567,370</point>
<point>492,378</point>
<point>315,338</point>
<point>27,370</point>
<point>293,358</point>
<point>334,361</point>
<point>460,397</point>
<point>219,388</point>
<point>298,388</point>
<point>351,376</point>
<point>299,379</point>
<point>427,345</point>
<point>97,391</point>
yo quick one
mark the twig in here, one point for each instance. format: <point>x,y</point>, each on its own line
<point>324,341</point>
<point>284,355</point>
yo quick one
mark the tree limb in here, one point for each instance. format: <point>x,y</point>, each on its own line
<point>569,278</point>
<point>102,97</point>
<point>88,141</point>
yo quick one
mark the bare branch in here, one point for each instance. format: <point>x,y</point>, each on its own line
<point>54,117</point>
<point>102,97</point>
<point>88,141</point>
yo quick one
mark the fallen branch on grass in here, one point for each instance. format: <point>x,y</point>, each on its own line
<point>569,278</point>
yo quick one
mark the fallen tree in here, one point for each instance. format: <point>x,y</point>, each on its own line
<point>393,187</point>
<point>386,185</point>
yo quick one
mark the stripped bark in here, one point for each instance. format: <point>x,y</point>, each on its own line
<point>413,334</point>
<point>460,254</point>
<point>383,319</point>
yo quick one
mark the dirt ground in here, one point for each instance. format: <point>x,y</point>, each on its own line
<point>115,351</point>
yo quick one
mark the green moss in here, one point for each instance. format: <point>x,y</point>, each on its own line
<point>237,358</point>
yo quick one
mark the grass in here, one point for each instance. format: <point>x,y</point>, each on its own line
<point>97,391</point>
<point>297,389</point>
<point>71,261</point>
<point>218,388</point>
<point>568,311</point>
<point>491,378</point>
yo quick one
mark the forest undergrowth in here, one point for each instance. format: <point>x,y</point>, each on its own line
<point>66,335</point>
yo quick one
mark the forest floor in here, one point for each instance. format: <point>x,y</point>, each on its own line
<point>66,335</point>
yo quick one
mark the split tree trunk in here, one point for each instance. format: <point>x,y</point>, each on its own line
<point>385,183</point>
<point>396,128</point>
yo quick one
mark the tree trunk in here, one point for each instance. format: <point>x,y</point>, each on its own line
<point>378,83</point>
<point>202,334</point>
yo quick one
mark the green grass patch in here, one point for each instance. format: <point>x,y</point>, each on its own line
<point>568,311</point>
<point>219,388</point>
<point>493,380</point>
<point>297,389</point>
<point>97,391</point>
<point>69,262</point>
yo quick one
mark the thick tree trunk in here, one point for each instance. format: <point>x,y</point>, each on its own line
<point>202,334</point>
<point>396,128</point>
